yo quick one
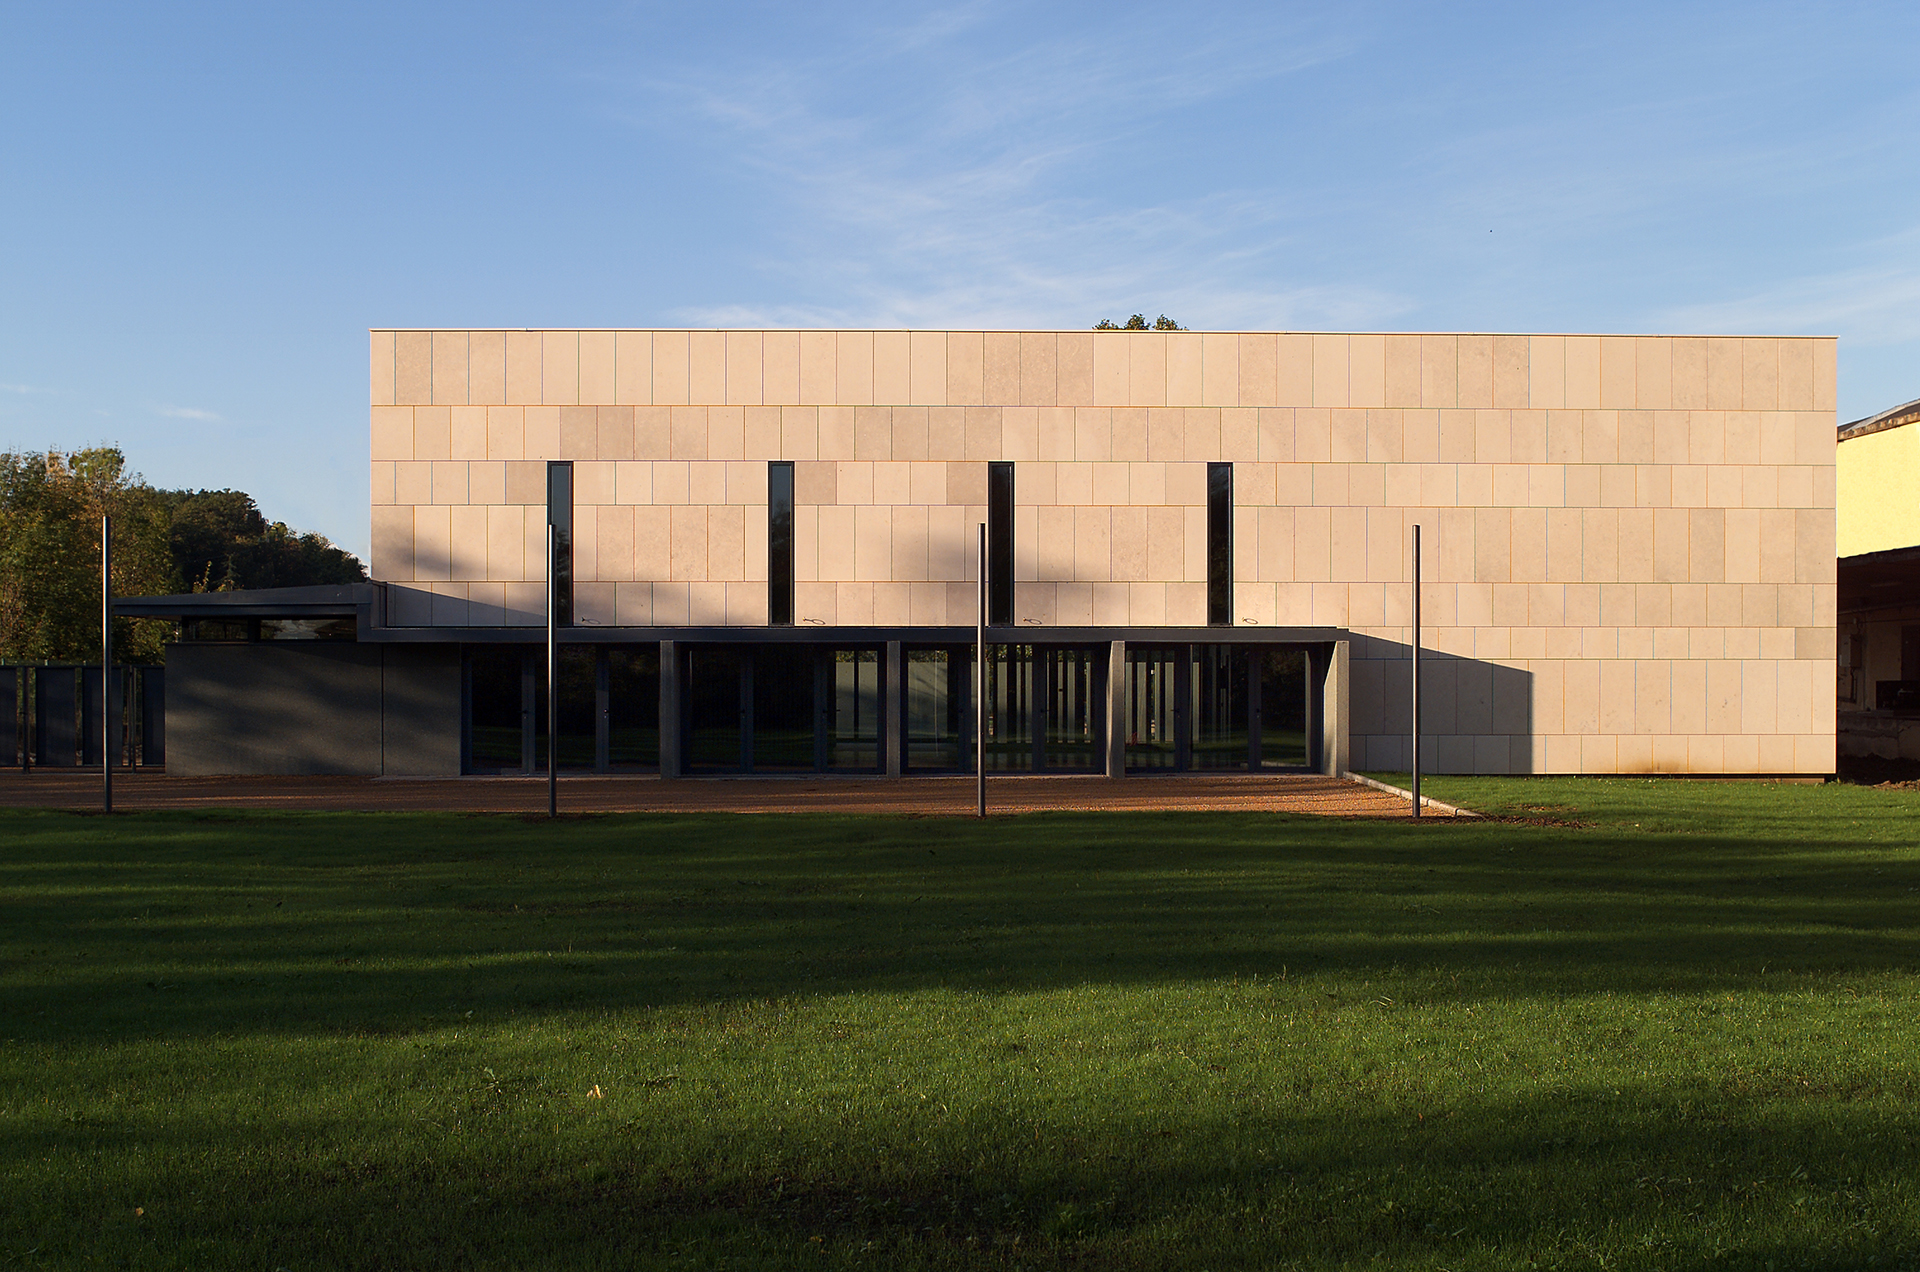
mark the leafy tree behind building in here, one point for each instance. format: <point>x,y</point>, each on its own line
<point>164,541</point>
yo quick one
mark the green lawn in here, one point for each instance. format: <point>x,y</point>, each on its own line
<point>1640,1025</point>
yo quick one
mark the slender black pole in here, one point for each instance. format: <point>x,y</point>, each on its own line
<point>1416,671</point>
<point>980,684</point>
<point>553,682</point>
<point>106,663</point>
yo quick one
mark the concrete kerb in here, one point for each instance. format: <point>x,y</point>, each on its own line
<point>1426,801</point>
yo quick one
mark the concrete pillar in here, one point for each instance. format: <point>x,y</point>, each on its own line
<point>893,718</point>
<point>671,763</point>
<point>1117,708</point>
<point>1330,664</point>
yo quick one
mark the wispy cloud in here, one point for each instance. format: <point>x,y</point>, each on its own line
<point>189,413</point>
<point>1874,304</point>
<point>22,388</point>
<point>960,197</point>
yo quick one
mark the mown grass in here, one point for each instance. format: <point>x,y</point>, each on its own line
<point>1641,1025</point>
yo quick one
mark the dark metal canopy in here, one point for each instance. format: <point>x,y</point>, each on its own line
<point>341,600</point>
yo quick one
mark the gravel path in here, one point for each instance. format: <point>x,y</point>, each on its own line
<point>920,796</point>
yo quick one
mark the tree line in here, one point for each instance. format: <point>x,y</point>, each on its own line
<point>164,541</point>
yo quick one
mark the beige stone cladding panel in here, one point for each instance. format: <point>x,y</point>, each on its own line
<point>1661,507</point>
<point>1064,368</point>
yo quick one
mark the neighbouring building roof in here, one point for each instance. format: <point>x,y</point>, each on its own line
<point>1892,417</point>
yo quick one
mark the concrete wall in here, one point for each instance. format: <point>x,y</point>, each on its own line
<point>313,707</point>
<point>1635,533</point>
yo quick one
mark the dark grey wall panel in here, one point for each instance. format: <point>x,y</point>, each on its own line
<point>297,707</point>
<point>54,716</point>
<point>10,678</point>
<point>92,685</point>
<point>273,707</point>
<point>153,715</point>
<point>422,711</point>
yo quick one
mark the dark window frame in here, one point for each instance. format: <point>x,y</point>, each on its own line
<point>560,518</point>
<point>1000,504</point>
<point>780,543</point>
<point>1219,545</point>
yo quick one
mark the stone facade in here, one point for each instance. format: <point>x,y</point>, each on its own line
<point>1629,541</point>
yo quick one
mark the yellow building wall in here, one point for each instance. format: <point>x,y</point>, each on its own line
<point>1878,487</point>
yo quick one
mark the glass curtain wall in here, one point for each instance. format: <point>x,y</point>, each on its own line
<point>783,708</point>
<point>507,708</point>
<point>783,712</point>
<point>579,708</point>
<point>633,707</point>
<point>939,709</point>
<point>1074,697</point>
<point>1156,709</point>
<point>852,731</point>
<point>1282,705</point>
<point>1009,708</point>
<point>1217,707</point>
<point>802,708</point>
<point>1220,708</point>
<point>714,699</point>
<point>494,709</point>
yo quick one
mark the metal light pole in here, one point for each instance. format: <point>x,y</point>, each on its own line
<point>1416,671</point>
<point>106,663</point>
<point>553,682</point>
<point>980,685</point>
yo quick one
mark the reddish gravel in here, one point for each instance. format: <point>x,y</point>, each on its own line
<point>919,796</point>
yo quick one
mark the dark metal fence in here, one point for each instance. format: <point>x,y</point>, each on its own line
<point>50,716</point>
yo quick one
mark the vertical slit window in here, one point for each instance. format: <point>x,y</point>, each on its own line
<point>1220,545</point>
<point>560,517</point>
<point>1000,544</point>
<point>780,544</point>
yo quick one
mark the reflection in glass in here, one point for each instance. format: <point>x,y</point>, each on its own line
<point>1219,707</point>
<point>307,629</point>
<point>713,708</point>
<point>633,707</point>
<point>782,714</point>
<point>1283,708</point>
<point>1009,708</point>
<point>937,708</point>
<point>577,703</point>
<point>1073,679</point>
<point>853,728</point>
<point>494,709</point>
<point>1155,716</point>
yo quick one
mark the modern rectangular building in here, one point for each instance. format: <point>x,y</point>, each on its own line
<point>1197,554</point>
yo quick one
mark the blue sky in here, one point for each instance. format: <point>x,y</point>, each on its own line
<point>203,208</point>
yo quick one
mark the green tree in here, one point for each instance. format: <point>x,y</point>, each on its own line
<point>165,541</point>
<point>1139,323</point>
<point>50,509</point>
<point>221,542</point>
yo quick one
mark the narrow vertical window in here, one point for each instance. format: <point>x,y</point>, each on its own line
<point>1000,544</point>
<point>1220,545</point>
<point>780,544</point>
<point>560,517</point>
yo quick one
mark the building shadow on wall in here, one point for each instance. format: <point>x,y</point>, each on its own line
<point>1476,716</point>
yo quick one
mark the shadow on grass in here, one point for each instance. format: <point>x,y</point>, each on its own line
<point>182,925</point>
<point>1581,1178</point>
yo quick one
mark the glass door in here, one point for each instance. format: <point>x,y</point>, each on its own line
<point>1156,725</point>
<point>1282,708</point>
